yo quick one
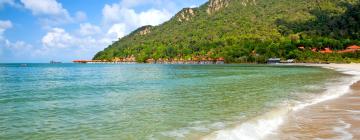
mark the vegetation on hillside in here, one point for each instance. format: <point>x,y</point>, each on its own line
<point>246,31</point>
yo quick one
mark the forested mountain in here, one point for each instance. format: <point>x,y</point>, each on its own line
<point>247,31</point>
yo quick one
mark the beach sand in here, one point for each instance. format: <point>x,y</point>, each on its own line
<point>332,119</point>
<point>333,116</point>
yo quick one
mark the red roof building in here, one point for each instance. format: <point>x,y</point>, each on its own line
<point>353,47</point>
<point>350,49</point>
<point>326,50</point>
<point>221,59</point>
<point>314,50</point>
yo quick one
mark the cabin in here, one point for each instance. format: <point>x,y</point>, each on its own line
<point>220,60</point>
<point>151,61</point>
<point>353,47</point>
<point>314,50</point>
<point>81,61</point>
<point>326,50</point>
<point>273,60</point>
<point>350,49</point>
<point>301,48</point>
<point>290,61</point>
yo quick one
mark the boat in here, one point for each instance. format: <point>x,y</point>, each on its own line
<point>54,62</point>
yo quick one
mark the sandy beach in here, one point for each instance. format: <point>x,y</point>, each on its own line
<point>337,118</point>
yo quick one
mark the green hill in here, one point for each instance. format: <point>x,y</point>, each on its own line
<point>247,31</point>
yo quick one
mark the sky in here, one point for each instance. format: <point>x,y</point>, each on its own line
<point>65,30</point>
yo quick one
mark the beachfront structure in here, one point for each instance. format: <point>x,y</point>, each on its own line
<point>327,50</point>
<point>351,49</point>
<point>153,61</point>
<point>290,61</point>
<point>273,60</point>
<point>103,62</point>
<point>194,60</point>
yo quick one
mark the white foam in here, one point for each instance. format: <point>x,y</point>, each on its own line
<point>180,133</point>
<point>331,93</point>
<point>354,111</point>
<point>255,129</point>
<point>351,72</point>
<point>345,135</point>
<point>198,126</point>
<point>263,126</point>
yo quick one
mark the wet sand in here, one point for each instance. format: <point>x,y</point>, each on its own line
<point>333,119</point>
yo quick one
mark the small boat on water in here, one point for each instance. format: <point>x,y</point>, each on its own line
<point>55,62</point>
<point>23,65</point>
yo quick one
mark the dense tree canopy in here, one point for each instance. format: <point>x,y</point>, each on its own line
<point>249,31</point>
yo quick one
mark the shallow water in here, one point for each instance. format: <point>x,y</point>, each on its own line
<point>75,101</point>
<point>337,119</point>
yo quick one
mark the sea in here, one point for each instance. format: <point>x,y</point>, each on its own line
<point>156,102</point>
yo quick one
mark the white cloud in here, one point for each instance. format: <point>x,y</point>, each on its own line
<point>117,14</point>
<point>153,17</point>
<point>89,36</point>
<point>57,38</point>
<point>117,30</point>
<point>52,13</point>
<point>194,6</point>
<point>57,43</point>
<point>18,46</point>
<point>171,5</point>
<point>121,20</point>
<point>132,3</point>
<point>87,29</point>
<point>4,25</point>
<point>14,49</point>
<point>44,7</point>
<point>80,16</point>
<point>110,12</point>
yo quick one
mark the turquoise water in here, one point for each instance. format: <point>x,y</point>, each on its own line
<point>97,101</point>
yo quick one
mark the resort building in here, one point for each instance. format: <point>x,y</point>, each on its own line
<point>351,49</point>
<point>326,50</point>
<point>273,60</point>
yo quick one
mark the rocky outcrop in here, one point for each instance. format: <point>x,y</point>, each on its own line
<point>216,5</point>
<point>186,14</point>
<point>248,2</point>
<point>144,30</point>
<point>126,59</point>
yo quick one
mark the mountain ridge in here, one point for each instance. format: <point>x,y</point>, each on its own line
<point>237,30</point>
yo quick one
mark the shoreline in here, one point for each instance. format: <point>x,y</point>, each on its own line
<point>334,118</point>
<point>273,124</point>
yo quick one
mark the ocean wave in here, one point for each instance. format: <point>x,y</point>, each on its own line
<point>199,126</point>
<point>266,125</point>
<point>255,129</point>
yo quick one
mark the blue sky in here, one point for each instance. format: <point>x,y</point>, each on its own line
<point>63,30</point>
